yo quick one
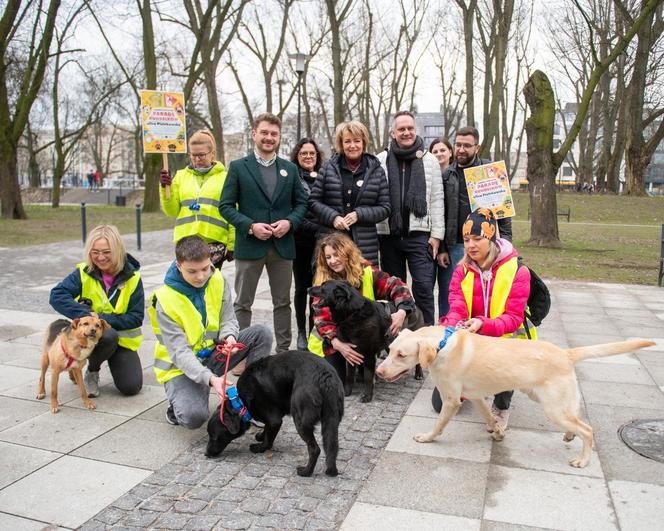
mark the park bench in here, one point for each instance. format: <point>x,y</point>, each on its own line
<point>562,213</point>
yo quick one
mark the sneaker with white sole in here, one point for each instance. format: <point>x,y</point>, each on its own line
<point>170,416</point>
<point>91,382</point>
<point>501,416</point>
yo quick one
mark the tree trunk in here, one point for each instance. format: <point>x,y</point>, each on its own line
<point>152,162</point>
<point>468,21</point>
<point>58,172</point>
<point>10,192</point>
<point>539,130</point>
<point>338,74</point>
<point>34,174</point>
<point>215,110</point>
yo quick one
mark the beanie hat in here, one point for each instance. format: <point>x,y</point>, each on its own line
<point>480,222</point>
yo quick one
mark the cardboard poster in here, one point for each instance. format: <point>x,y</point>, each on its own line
<point>489,187</point>
<point>163,121</point>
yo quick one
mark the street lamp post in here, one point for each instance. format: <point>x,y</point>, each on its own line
<point>300,58</point>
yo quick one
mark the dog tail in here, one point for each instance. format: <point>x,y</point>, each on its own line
<point>607,349</point>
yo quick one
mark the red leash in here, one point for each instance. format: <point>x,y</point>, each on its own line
<point>225,350</point>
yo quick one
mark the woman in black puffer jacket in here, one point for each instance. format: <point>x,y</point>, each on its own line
<point>351,192</point>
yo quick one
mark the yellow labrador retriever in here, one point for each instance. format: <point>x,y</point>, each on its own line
<point>480,366</point>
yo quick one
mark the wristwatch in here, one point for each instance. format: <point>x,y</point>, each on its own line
<point>251,232</point>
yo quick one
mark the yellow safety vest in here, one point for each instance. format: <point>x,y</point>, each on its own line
<point>315,343</point>
<point>91,288</point>
<point>502,285</point>
<point>188,189</point>
<point>179,308</point>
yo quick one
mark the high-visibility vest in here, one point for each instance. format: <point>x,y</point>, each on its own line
<point>203,219</point>
<point>91,288</point>
<point>315,342</point>
<point>502,285</point>
<point>181,310</point>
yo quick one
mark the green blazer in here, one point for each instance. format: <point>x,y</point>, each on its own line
<point>244,200</point>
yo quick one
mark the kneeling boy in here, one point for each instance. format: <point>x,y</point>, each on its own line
<point>189,313</point>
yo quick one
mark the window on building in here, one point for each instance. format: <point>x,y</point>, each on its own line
<point>556,129</point>
<point>433,130</point>
<point>556,143</point>
<point>567,171</point>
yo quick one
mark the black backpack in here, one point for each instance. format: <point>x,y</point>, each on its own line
<point>539,302</point>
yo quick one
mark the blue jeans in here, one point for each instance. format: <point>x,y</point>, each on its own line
<point>444,275</point>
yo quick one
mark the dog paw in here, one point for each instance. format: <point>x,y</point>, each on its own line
<point>348,390</point>
<point>490,427</point>
<point>90,405</point>
<point>40,396</point>
<point>304,471</point>
<point>569,436</point>
<point>260,435</point>
<point>257,448</point>
<point>332,472</point>
<point>498,434</point>
<point>419,375</point>
<point>423,438</point>
<point>54,409</point>
<point>366,398</point>
<point>579,462</point>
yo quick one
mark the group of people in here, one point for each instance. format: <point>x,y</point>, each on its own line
<point>94,179</point>
<point>356,217</point>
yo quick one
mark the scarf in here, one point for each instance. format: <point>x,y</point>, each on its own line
<point>415,197</point>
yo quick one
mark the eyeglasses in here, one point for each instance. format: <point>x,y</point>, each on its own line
<point>305,154</point>
<point>199,155</point>
<point>96,254</point>
<point>464,146</point>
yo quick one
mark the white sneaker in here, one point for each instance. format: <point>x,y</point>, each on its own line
<point>501,416</point>
<point>91,382</point>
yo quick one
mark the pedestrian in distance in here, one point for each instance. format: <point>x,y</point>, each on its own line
<point>91,179</point>
<point>307,156</point>
<point>194,198</point>
<point>97,181</point>
<point>410,237</point>
<point>191,314</point>
<point>107,282</point>
<point>457,206</point>
<point>264,199</point>
<point>350,193</point>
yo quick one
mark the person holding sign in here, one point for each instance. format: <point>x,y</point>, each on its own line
<point>194,198</point>
<point>488,293</point>
<point>457,208</point>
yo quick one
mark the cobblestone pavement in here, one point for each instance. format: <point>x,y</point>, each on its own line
<point>241,490</point>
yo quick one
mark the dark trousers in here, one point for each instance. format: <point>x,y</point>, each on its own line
<point>303,277</point>
<point>412,251</point>
<point>501,400</point>
<point>124,363</point>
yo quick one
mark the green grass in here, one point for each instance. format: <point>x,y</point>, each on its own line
<point>601,243</point>
<point>48,225</point>
<point>597,246</point>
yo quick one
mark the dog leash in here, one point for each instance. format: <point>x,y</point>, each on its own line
<point>225,350</point>
<point>70,359</point>
<point>448,332</point>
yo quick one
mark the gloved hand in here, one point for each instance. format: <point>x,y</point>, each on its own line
<point>85,302</point>
<point>230,256</point>
<point>165,178</point>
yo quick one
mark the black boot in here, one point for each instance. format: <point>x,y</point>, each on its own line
<point>301,340</point>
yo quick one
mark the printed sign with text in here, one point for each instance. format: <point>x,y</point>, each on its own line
<point>489,187</point>
<point>163,120</point>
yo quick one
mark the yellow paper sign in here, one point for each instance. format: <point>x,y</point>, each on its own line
<point>163,121</point>
<point>489,187</point>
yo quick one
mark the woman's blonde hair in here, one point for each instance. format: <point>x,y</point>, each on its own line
<point>494,251</point>
<point>355,129</point>
<point>347,252</point>
<point>115,244</point>
<point>203,137</point>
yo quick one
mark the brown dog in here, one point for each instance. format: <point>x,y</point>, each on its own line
<point>480,366</point>
<point>67,346</point>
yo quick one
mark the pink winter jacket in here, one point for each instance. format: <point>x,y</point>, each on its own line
<point>506,323</point>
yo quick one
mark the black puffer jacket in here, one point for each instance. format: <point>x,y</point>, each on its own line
<point>372,203</point>
<point>453,179</point>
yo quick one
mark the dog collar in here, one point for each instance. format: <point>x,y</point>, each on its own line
<point>237,404</point>
<point>448,332</point>
<point>70,360</point>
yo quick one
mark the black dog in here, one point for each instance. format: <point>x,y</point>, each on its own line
<point>293,383</point>
<point>363,323</point>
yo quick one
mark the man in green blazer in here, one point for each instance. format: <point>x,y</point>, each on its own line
<point>264,199</point>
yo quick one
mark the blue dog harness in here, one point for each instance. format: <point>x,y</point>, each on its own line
<point>237,404</point>
<point>448,332</point>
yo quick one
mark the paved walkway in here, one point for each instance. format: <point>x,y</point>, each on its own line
<point>121,466</point>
